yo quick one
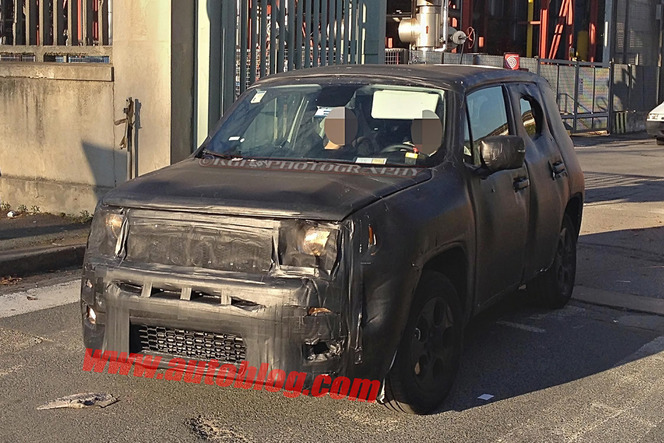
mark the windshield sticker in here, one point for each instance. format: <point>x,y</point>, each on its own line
<point>258,97</point>
<point>322,111</point>
<point>371,161</point>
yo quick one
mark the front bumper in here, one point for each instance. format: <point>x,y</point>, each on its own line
<point>655,128</point>
<point>201,316</point>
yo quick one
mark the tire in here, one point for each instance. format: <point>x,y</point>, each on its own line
<point>428,356</point>
<point>660,141</point>
<point>554,287</point>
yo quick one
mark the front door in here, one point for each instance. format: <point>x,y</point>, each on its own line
<point>502,200</point>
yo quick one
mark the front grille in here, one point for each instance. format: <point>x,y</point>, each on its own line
<point>189,344</point>
<point>190,243</point>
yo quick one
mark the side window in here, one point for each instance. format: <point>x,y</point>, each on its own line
<point>487,114</point>
<point>532,116</point>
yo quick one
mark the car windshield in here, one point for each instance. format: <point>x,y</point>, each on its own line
<point>358,123</point>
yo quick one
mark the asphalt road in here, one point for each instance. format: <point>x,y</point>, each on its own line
<point>583,373</point>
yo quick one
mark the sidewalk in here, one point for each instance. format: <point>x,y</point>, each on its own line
<point>621,247</point>
<point>40,243</point>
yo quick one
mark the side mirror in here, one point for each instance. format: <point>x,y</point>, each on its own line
<point>503,152</point>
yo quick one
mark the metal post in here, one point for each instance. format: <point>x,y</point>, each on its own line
<point>72,23</point>
<point>592,31</point>
<point>282,37</point>
<point>263,39</point>
<point>85,29</point>
<point>19,38</point>
<point>544,28</point>
<point>346,40</point>
<point>529,29</point>
<point>332,31</point>
<point>298,34</point>
<point>609,123</point>
<point>229,15</point>
<point>315,23</point>
<point>58,23</point>
<point>353,31</point>
<point>626,34</point>
<point>323,32</point>
<point>253,41</point>
<point>102,22</point>
<point>31,22</point>
<point>338,28</point>
<point>273,33</point>
<point>4,12</point>
<point>292,31</point>
<point>373,26</point>
<point>244,37</point>
<point>576,95</point>
<point>44,24</point>
<point>308,29</point>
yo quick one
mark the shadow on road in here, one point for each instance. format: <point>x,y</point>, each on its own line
<point>516,348</point>
<point>606,187</point>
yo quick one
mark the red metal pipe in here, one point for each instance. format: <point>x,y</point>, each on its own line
<point>467,15</point>
<point>544,29</point>
<point>592,31</point>
<point>569,32</point>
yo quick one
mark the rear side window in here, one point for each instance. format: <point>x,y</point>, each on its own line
<point>532,116</point>
<point>487,116</point>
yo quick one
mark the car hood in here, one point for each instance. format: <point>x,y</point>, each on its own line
<point>264,188</point>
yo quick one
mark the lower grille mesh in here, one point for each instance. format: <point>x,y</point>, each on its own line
<point>192,344</point>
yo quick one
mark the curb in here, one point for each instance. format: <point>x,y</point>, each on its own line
<point>638,303</point>
<point>35,260</point>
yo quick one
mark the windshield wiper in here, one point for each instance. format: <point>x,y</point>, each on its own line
<point>222,156</point>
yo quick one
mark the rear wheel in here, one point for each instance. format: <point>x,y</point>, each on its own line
<point>553,288</point>
<point>428,356</point>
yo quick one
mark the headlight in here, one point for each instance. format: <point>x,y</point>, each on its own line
<point>114,223</point>
<point>309,245</point>
<point>105,231</point>
<point>314,241</point>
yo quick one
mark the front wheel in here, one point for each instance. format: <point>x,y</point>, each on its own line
<point>428,356</point>
<point>553,288</point>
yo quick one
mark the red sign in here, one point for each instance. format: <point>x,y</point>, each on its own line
<point>512,61</point>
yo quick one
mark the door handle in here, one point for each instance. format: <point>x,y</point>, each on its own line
<point>521,183</point>
<point>557,169</point>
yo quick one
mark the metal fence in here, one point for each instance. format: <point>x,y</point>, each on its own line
<point>54,22</point>
<point>277,36</point>
<point>583,90</point>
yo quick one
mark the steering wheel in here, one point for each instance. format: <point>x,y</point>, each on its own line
<point>398,147</point>
<point>364,146</point>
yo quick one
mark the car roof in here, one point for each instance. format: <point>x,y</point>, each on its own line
<point>455,77</point>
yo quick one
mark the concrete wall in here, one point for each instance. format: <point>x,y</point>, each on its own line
<point>59,147</point>
<point>153,57</point>
<point>56,136</point>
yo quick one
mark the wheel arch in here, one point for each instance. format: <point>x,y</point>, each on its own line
<point>574,210</point>
<point>453,264</point>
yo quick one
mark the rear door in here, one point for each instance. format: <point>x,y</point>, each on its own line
<point>501,200</point>
<point>548,176</point>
